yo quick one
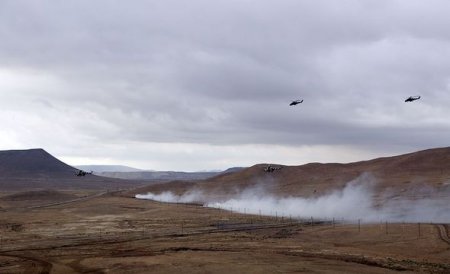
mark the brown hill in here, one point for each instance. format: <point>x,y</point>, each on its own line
<point>412,174</point>
<point>37,169</point>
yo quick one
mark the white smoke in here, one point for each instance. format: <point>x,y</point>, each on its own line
<point>355,201</point>
<point>169,197</point>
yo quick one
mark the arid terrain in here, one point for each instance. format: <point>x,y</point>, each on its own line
<point>78,226</point>
<point>402,175</point>
<point>114,233</point>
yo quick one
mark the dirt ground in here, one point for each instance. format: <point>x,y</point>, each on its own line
<point>111,233</point>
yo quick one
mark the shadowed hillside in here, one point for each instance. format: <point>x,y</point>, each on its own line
<point>35,162</point>
<point>37,169</point>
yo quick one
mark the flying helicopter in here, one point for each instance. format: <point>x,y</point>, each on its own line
<point>271,168</point>
<point>296,102</point>
<point>83,173</point>
<point>412,98</point>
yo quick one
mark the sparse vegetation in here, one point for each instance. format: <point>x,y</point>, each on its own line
<point>120,234</point>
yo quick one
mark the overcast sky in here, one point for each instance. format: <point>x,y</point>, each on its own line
<point>201,85</point>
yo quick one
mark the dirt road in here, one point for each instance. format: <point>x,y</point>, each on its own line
<point>443,232</point>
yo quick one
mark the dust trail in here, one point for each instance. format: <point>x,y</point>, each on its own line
<point>355,201</point>
<point>169,197</point>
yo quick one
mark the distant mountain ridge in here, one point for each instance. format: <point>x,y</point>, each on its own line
<point>107,168</point>
<point>159,175</point>
<point>167,175</point>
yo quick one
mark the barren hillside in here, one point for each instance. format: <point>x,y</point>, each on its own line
<point>37,169</point>
<point>404,174</point>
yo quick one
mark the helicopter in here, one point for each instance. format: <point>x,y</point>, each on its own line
<point>271,168</point>
<point>296,102</point>
<point>412,98</point>
<point>83,173</point>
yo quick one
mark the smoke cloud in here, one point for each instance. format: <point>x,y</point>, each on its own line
<point>355,201</point>
<point>169,197</point>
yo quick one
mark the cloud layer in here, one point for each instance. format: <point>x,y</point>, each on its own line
<point>82,78</point>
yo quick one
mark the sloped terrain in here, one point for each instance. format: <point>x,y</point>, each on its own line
<point>109,231</point>
<point>410,174</point>
<point>37,169</point>
<point>32,162</point>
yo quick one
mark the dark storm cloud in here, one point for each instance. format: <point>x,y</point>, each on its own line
<point>224,72</point>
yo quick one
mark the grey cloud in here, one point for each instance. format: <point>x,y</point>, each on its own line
<point>223,72</point>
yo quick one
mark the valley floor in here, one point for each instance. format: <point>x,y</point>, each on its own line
<point>112,233</point>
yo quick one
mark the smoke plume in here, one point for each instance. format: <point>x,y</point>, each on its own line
<point>355,201</point>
